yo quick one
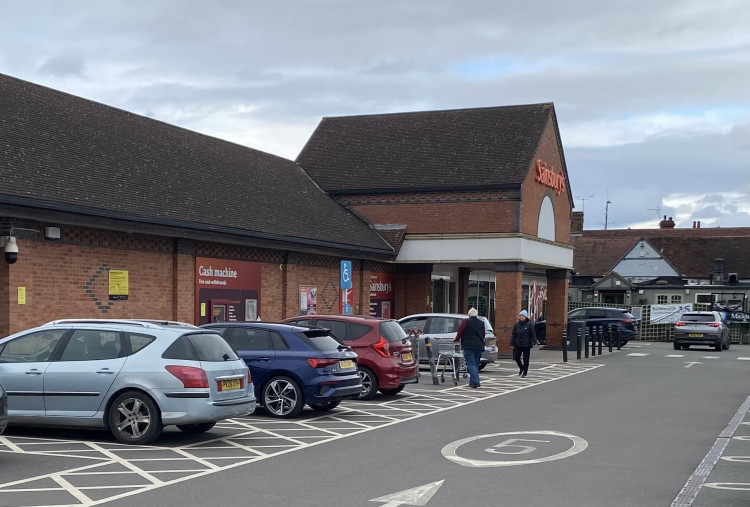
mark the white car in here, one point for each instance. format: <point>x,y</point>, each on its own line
<point>441,329</point>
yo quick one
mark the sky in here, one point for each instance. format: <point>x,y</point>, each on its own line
<point>652,98</point>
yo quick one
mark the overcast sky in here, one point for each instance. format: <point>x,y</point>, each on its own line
<point>652,97</point>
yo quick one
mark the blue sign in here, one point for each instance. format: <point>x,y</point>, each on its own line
<point>345,281</point>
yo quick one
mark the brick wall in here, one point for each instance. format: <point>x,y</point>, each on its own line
<point>534,192</point>
<point>507,305</point>
<point>557,306</point>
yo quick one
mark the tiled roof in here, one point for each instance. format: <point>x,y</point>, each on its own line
<point>62,150</point>
<point>690,251</point>
<point>455,149</point>
<point>394,234</point>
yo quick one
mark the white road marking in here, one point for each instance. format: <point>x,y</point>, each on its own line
<point>735,486</point>
<point>743,358</point>
<point>415,496</point>
<point>639,354</point>
<point>710,357</point>
<point>688,365</point>
<point>675,355</point>
<point>449,451</point>
<point>139,461</point>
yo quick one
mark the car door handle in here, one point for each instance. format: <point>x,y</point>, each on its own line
<point>261,359</point>
<point>105,370</point>
<point>33,372</point>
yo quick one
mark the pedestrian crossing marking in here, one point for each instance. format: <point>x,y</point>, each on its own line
<point>675,355</point>
<point>743,358</point>
<point>638,354</point>
<point>710,357</point>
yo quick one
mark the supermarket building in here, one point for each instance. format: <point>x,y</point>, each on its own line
<point>116,215</point>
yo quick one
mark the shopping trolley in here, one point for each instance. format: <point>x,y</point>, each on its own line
<point>453,360</point>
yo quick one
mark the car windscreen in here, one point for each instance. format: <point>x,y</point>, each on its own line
<point>320,339</point>
<point>391,331</point>
<point>696,317</point>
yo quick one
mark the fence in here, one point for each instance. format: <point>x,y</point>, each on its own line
<point>738,332</point>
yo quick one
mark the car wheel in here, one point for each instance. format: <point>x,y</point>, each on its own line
<point>194,429</point>
<point>728,344</point>
<point>282,397</point>
<point>325,406</point>
<point>369,383</point>
<point>395,390</point>
<point>134,418</point>
<point>677,346</point>
<point>686,347</point>
<point>719,346</point>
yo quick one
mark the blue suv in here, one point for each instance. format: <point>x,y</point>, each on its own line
<point>293,366</point>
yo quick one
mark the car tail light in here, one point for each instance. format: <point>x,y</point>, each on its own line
<point>249,377</point>
<point>713,324</point>
<point>316,362</point>
<point>626,321</point>
<point>382,347</point>
<point>190,376</point>
<point>680,324</point>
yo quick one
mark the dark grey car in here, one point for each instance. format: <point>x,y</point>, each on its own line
<point>701,328</point>
<point>3,409</point>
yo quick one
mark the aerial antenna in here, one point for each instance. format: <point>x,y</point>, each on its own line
<point>658,211</point>
<point>583,200</point>
<point>606,213</point>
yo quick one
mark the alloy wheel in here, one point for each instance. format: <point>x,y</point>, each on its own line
<point>281,397</point>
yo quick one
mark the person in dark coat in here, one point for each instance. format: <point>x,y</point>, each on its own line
<point>471,335</point>
<point>522,339</point>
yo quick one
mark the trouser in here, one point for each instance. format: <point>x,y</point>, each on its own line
<point>472,364</point>
<point>525,352</point>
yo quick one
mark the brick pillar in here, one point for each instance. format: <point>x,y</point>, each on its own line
<point>557,306</point>
<point>463,290</point>
<point>508,291</point>
<point>413,290</point>
<point>183,279</point>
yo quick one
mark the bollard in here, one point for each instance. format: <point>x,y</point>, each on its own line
<point>565,346</point>
<point>580,343</point>
<point>601,338</point>
<point>593,341</point>
<point>610,338</point>
<point>433,368</point>
<point>619,341</point>
<point>586,335</point>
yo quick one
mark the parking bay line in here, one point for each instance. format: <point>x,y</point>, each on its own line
<point>452,400</point>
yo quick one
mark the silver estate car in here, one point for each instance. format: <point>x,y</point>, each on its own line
<point>701,328</point>
<point>441,328</point>
<point>128,376</point>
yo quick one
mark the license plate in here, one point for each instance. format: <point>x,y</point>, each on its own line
<point>229,385</point>
<point>346,363</point>
<point>407,357</point>
<point>695,335</point>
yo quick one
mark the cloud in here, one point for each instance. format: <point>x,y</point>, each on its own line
<point>63,65</point>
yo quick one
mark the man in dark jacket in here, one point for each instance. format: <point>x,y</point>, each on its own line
<point>522,339</point>
<point>471,335</point>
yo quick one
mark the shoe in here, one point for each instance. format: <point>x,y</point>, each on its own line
<point>520,372</point>
<point>473,386</point>
<point>524,375</point>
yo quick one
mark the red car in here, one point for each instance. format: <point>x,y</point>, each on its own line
<point>385,360</point>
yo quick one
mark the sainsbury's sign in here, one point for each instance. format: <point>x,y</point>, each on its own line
<point>546,175</point>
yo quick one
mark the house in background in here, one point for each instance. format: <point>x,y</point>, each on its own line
<point>668,265</point>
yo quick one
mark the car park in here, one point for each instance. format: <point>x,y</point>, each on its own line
<point>612,322</point>
<point>701,328</point>
<point>385,359</point>
<point>3,409</point>
<point>128,376</point>
<point>441,329</point>
<point>293,366</point>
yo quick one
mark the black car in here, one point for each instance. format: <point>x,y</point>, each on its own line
<point>3,409</point>
<point>612,322</point>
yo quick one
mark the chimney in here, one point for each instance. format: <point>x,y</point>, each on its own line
<point>666,224</point>
<point>718,270</point>
<point>699,224</point>
<point>576,223</point>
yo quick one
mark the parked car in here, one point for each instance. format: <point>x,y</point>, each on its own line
<point>130,377</point>
<point>3,409</point>
<point>384,352</point>
<point>293,366</point>
<point>612,322</point>
<point>441,328</point>
<point>701,328</point>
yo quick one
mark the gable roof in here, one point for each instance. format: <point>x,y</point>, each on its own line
<point>62,152</point>
<point>690,251</point>
<point>459,149</point>
<point>644,262</point>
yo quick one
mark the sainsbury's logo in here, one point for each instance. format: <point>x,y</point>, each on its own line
<point>547,176</point>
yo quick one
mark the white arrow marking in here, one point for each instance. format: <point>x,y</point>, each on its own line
<point>688,365</point>
<point>414,496</point>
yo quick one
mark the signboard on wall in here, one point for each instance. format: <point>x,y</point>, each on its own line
<point>228,289</point>
<point>382,295</point>
<point>346,294</point>
<point>118,285</point>
<point>537,296</point>
<point>308,299</point>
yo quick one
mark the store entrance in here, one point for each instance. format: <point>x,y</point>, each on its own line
<point>443,295</point>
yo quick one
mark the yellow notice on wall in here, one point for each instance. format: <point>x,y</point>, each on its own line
<point>22,295</point>
<point>203,309</point>
<point>118,284</point>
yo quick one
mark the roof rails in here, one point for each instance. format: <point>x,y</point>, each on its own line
<point>150,323</point>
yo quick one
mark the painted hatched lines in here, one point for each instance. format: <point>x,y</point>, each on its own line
<point>119,471</point>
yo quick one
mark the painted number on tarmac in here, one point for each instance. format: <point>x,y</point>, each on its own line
<point>513,448</point>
